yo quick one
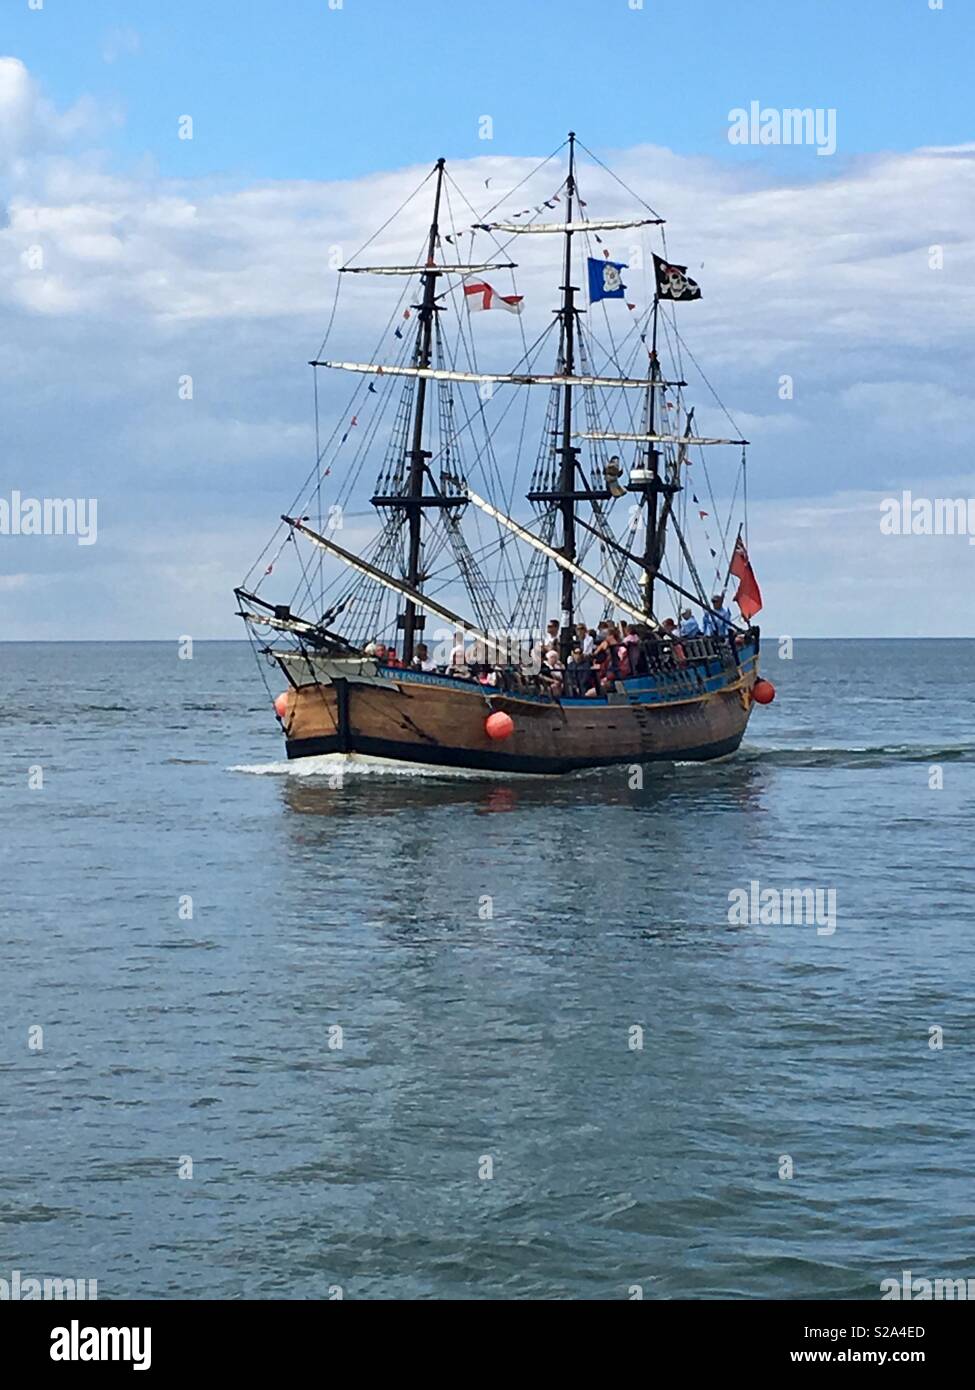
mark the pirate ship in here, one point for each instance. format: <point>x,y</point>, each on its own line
<point>372,638</point>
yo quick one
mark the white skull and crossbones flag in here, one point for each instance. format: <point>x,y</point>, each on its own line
<point>673,282</point>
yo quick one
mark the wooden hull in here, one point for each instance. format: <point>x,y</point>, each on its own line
<point>441,723</point>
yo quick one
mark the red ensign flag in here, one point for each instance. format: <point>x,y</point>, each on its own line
<point>749,595</point>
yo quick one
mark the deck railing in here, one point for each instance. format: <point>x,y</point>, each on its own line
<point>682,661</point>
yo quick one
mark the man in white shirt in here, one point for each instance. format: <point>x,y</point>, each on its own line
<point>584,639</point>
<point>421,659</point>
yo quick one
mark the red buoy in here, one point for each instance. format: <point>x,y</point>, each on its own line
<point>281,704</point>
<point>763,692</point>
<point>499,725</point>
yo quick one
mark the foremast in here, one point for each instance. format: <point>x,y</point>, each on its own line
<point>569,452</point>
<point>413,499</point>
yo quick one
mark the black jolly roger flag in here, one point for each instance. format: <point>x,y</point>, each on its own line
<point>673,282</point>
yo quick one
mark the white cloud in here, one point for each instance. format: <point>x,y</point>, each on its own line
<point>29,123</point>
<point>120,41</point>
<point>143,279</point>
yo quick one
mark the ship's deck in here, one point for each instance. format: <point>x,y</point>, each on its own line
<point>704,676</point>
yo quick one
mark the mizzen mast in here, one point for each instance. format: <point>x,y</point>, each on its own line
<point>647,482</point>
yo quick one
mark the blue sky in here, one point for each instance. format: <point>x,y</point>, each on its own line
<point>294,89</point>
<point>163,257</point>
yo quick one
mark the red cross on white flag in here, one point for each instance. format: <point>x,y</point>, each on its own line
<point>479,295</point>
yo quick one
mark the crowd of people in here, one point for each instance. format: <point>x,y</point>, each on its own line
<point>586,664</point>
<point>599,657</point>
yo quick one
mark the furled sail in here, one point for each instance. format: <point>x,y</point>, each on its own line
<point>596,225</point>
<point>424,269</point>
<point>442,374</point>
<point>297,625</point>
<point>656,438</point>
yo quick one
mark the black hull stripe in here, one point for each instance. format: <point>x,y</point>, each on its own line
<point>487,760</point>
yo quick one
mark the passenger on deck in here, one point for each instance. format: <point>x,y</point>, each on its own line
<point>553,673</point>
<point>611,659</point>
<point>421,659</point>
<point>717,623</point>
<point>689,625</point>
<point>634,647</point>
<point>380,653</point>
<point>391,658</point>
<point>581,636</point>
<point>458,655</point>
<point>552,635</point>
<point>536,656</point>
<point>609,636</point>
<point>624,668</point>
<point>578,673</point>
<point>479,653</point>
<point>673,653</point>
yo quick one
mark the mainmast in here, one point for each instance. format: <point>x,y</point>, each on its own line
<point>568,492</point>
<point>413,500</point>
<point>569,452</point>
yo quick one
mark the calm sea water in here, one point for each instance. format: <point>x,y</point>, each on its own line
<point>469,1037</point>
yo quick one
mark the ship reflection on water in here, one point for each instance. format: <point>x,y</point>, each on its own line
<point>668,789</point>
<point>419,860</point>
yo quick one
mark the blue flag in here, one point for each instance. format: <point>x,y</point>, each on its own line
<point>604,279</point>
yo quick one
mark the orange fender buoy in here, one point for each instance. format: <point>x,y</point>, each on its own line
<point>281,704</point>
<point>499,725</point>
<point>763,692</point>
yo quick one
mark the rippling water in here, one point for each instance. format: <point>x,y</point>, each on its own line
<point>468,1036</point>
